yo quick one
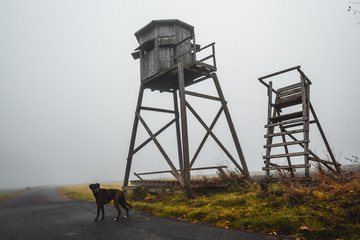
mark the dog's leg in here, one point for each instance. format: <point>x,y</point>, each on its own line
<point>102,211</point>
<point>122,203</point>
<point>97,213</point>
<point>116,205</point>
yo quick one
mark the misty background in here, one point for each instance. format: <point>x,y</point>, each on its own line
<point>69,85</point>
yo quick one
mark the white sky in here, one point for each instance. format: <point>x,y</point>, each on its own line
<point>68,84</point>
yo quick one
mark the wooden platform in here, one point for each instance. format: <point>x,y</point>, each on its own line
<point>168,79</point>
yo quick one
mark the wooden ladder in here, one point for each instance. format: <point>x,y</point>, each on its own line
<point>288,126</point>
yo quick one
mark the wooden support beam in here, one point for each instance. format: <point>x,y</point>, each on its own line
<point>156,134</point>
<point>202,95</point>
<point>184,126</point>
<point>338,169</point>
<point>215,138</point>
<point>157,110</point>
<point>178,133</point>
<point>177,175</point>
<point>133,137</point>
<point>206,137</point>
<point>244,168</point>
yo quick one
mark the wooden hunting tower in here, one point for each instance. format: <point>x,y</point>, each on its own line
<point>288,127</point>
<point>168,63</point>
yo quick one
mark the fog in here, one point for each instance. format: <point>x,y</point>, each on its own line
<point>69,85</point>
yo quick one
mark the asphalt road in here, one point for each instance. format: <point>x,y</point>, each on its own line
<point>42,213</point>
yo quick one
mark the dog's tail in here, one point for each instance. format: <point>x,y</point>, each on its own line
<point>128,204</point>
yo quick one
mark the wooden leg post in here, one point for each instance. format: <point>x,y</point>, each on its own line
<point>184,127</point>
<point>133,138</point>
<point>244,169</point>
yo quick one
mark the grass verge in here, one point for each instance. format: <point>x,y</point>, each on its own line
<point>6,194</point>
<point>331,210</point>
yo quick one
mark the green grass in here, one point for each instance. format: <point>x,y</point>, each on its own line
<point>330,211</point>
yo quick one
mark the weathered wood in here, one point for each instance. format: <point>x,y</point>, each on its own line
<point>338,169</point>
<point>157,110</point>
<point>284,144</point>
<point>288,101</point>
<point>317,159</point>
<point>167,51</point>
<point>287,167</point>
<point>305,107</point>
<point>290,87</point>
<point>297,89</point>
<point>192,169</point>
<point>215,138</point>
<point>149,139</point>
<point>184,127</point>
<point>202,95</point>
<point>244,170</point>
<point>284,123</point>
<point>286,155</point>
<point>133,137</point>
<point>173,183</point>
<point>303,74</point>
<point>297,124</point>
<point>287,117</point>
<point>159,42</point>
<point>280,72</point>
<point>137,175</point>
<point>270,130</point>
<point>178,176</point>
<point>178,133</point>
<point>284,133</point>
<point>206,137</point>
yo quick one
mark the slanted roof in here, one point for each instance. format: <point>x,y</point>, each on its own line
<point>163,22</point>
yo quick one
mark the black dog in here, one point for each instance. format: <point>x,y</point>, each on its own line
<point>104,196</point>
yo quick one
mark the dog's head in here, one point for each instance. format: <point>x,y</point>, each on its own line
<point>95,188</point>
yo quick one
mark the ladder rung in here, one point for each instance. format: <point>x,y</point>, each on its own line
<point>286,155</point>
<point>298,124</point>
<point>287,167</point>
<point>286,122</point>
<point>286,117</point>
<point>284,133</point>
<point>285,144</point>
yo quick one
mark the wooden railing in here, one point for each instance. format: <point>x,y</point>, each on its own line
<point>193,50</point>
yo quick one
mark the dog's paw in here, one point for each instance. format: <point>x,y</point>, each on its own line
<point>95,219</point>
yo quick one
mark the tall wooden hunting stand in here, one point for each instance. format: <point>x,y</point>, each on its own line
<point>288,121</point>
<point>168,63</point>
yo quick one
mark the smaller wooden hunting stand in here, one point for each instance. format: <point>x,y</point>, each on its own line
<point>168,64</point>
<point>289,113</point>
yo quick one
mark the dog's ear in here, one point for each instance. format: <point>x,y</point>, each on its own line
<point>97,185</point>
